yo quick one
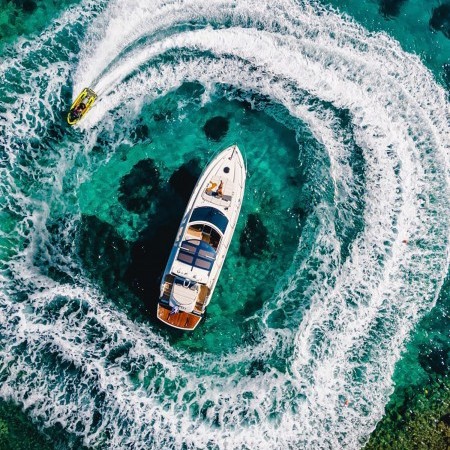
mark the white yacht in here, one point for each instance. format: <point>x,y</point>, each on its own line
<point>202,241</point>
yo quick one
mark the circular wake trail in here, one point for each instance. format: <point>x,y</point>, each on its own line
<point>70,357</point>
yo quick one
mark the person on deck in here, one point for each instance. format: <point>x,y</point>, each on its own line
<point>78,111</point>
<point>220,189</point>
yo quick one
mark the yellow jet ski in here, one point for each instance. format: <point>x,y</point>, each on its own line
<point>81,106</point>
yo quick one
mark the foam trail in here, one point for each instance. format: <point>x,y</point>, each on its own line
<point>124,385</point>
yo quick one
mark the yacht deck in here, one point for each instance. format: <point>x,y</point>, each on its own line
<point>181,320</point>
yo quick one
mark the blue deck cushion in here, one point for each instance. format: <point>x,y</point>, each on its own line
<point>197,253</point>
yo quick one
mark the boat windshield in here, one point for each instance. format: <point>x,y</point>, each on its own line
<point>197,253</point>
<point>211,215</point>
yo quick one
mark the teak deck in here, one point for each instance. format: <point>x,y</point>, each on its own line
<point>181,320</point>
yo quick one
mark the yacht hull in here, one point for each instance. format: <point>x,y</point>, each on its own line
<point>202,241</point>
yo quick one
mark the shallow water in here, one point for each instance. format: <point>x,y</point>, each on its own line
<point>340,250</point>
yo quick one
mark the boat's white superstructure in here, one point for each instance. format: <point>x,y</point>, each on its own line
<point>202,241</point>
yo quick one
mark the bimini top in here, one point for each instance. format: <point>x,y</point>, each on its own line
<point>197,253</point>
<point>211,215</point>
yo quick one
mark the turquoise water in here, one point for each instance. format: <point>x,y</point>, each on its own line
<point>332,299</point>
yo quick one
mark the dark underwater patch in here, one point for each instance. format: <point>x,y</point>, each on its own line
<point>139,187</point>
<point>247,105</point>
<point>255,303</point>
<point>435,360</point>
<point>183,179</point>
<point>445,419</point>
<point>391,8</point>
<point>27,6</point>
<point>440,19</point>
<point>141,133</point>
<point>104,253</point>
<point>106,257</point>
<point>216,128</point>
<point>254,238</point>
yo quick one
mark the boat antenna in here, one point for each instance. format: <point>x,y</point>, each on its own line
<point>232,153</point>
